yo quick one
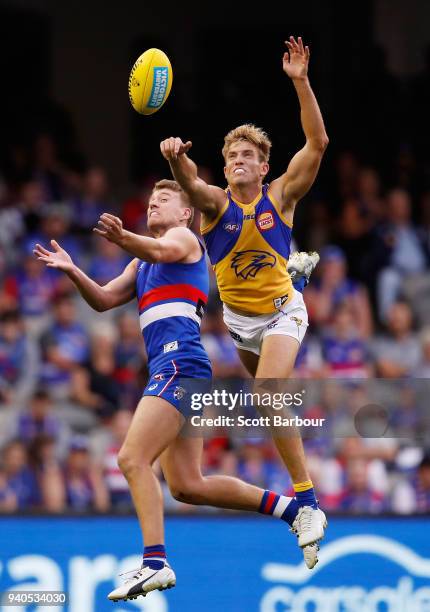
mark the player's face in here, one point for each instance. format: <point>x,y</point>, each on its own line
<point>244,165</point>
<point>165,210</point>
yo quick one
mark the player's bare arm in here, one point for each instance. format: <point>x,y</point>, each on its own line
<point>209,199</point>
<point>178,244</point>
<point>118,291</point>
<point>291,186</point>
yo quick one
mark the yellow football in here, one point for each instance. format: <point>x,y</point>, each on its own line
<point>150,81</point>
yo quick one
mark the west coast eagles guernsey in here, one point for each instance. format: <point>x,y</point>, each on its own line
<point>249,246</point>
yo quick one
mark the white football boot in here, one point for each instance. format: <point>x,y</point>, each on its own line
<point>302,263</point>
<point>143,581</point>
<point>309,526</point>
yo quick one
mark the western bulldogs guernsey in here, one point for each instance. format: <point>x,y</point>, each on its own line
<point>249,247</point>
<point>171,299</point>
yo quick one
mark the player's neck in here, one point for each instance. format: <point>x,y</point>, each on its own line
<point>245,193</point>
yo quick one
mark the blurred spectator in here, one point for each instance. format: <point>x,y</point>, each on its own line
<point>8,499</point>
<point>399,250</point>
<point>130,358</point>
<point>94,200</point>
<point>33,286</point>
<point>413,494</point>
<point>49,474</point>
<point>94,386</point>
<point>64,346</point>
<point>423,368</point>
<point>40,419</point>
<point>108,261</point>
<point>344,351</point>
<point>397,353</point>
<point>332,287</point>
<point>358,497</point>
<point>48,168</point>
<point>20,478</point>
<point>85,488</point>
<point>18,360</point>
<point>31,204</point>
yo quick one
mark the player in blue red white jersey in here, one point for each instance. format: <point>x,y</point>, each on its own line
<point>169,278</point>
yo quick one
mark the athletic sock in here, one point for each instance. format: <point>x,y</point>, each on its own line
<point>283,507</point>
<point>154,556</point>
<point>305,494</point>
<point>300,284</point>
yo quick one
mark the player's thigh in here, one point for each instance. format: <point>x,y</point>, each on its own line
<point>155,424</point>
<point>181,461</point>
<point>277,357</point>
<point>249,360</point>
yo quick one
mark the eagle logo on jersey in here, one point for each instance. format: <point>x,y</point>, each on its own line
<point>248,263</point>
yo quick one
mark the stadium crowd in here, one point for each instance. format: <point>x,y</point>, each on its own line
<point>71,378</point>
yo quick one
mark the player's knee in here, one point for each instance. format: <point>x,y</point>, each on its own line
<point>128,463</point>
<point>187,492</point>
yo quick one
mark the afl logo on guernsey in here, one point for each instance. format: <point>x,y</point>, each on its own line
<point>231,227</point>
<point>265,221</point>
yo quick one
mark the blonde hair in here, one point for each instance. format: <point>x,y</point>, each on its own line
<point>174,186</point>
<point>252,134</point>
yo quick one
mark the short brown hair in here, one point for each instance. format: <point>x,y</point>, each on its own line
<point>252,134</point>
<point>174,186</point>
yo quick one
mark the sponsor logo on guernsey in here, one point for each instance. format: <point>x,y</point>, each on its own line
<point>159,377</point>
<point>281,300</point>
<point>152,387</point>
<point>232,227</point>
<point>159,87</point>
<point>247,264</point>
<point>249,217</point>
<point>170,346</point>
<point>179,393</point>
<point>235,336</point>
<point>265,221</point>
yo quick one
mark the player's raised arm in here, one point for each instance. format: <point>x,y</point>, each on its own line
<point>115,293</point>
<point>206,198</point>
<point>177,244</point>
<point>289,188</point>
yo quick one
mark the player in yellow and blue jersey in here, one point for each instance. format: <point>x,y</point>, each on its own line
<point>247,229</point>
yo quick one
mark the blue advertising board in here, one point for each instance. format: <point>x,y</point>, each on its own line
<point>228,564</point>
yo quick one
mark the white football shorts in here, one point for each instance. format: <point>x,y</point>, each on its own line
<point>248,332</point>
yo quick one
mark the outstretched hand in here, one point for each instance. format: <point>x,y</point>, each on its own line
<point>171,148</point>
<point>59,258</point>
<point>296,60</point>
<point>110,227</point>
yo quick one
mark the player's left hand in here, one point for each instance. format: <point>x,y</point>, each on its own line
<point>110,227</point>
<point>296,59</point>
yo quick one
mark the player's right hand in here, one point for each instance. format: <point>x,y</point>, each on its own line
<point>172,147</point>
<point>59,259</point>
